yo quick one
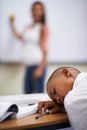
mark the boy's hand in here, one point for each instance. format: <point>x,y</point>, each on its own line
<point>50,105</point>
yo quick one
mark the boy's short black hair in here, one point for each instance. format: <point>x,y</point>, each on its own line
<point>57,71</point>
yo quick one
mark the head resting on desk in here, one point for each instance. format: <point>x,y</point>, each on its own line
<point>61,82</point>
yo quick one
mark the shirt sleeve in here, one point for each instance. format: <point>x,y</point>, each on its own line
<point>76,109</point>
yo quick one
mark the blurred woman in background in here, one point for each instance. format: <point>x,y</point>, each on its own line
<point>34,38</point>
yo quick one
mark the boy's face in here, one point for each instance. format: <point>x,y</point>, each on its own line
<point>58,87</point>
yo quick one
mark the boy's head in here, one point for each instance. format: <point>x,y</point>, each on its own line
<point>61,82</point>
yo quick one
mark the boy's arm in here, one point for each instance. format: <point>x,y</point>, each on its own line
<point>51,106</point>
<point>76,108</point>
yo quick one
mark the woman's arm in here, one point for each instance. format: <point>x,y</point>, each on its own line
<point>43,46</point>
<point>16,34</point>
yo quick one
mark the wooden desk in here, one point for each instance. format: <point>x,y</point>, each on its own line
<point>52,121</point>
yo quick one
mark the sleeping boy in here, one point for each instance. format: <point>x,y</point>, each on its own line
<point>67,87</point>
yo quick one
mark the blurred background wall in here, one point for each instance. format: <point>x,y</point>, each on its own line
<point>67,22</point>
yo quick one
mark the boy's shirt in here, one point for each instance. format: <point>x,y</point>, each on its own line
<point>76,103</point>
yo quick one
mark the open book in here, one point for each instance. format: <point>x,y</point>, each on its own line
<point>25,98</point>
<point>11,110</point>
<point>16,106</point>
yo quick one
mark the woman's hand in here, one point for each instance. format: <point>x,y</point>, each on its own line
<point>49,105</point>
<point>38,73</point>
<point>11,19</point>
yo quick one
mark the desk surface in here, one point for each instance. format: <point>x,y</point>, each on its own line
<point>31,122</point>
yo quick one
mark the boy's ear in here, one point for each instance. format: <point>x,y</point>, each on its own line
<point>66,73</point>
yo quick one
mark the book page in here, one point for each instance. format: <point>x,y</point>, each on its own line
<point>27,110</point>
<point>4,107</point>
<point>7,115</point>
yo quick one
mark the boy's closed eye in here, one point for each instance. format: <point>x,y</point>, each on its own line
<point>54,95</point>
<point>54,92</point>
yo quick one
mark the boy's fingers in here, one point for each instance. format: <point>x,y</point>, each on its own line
<point>40,106</point>
<point>47,106</point>
<point>54,110</point>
